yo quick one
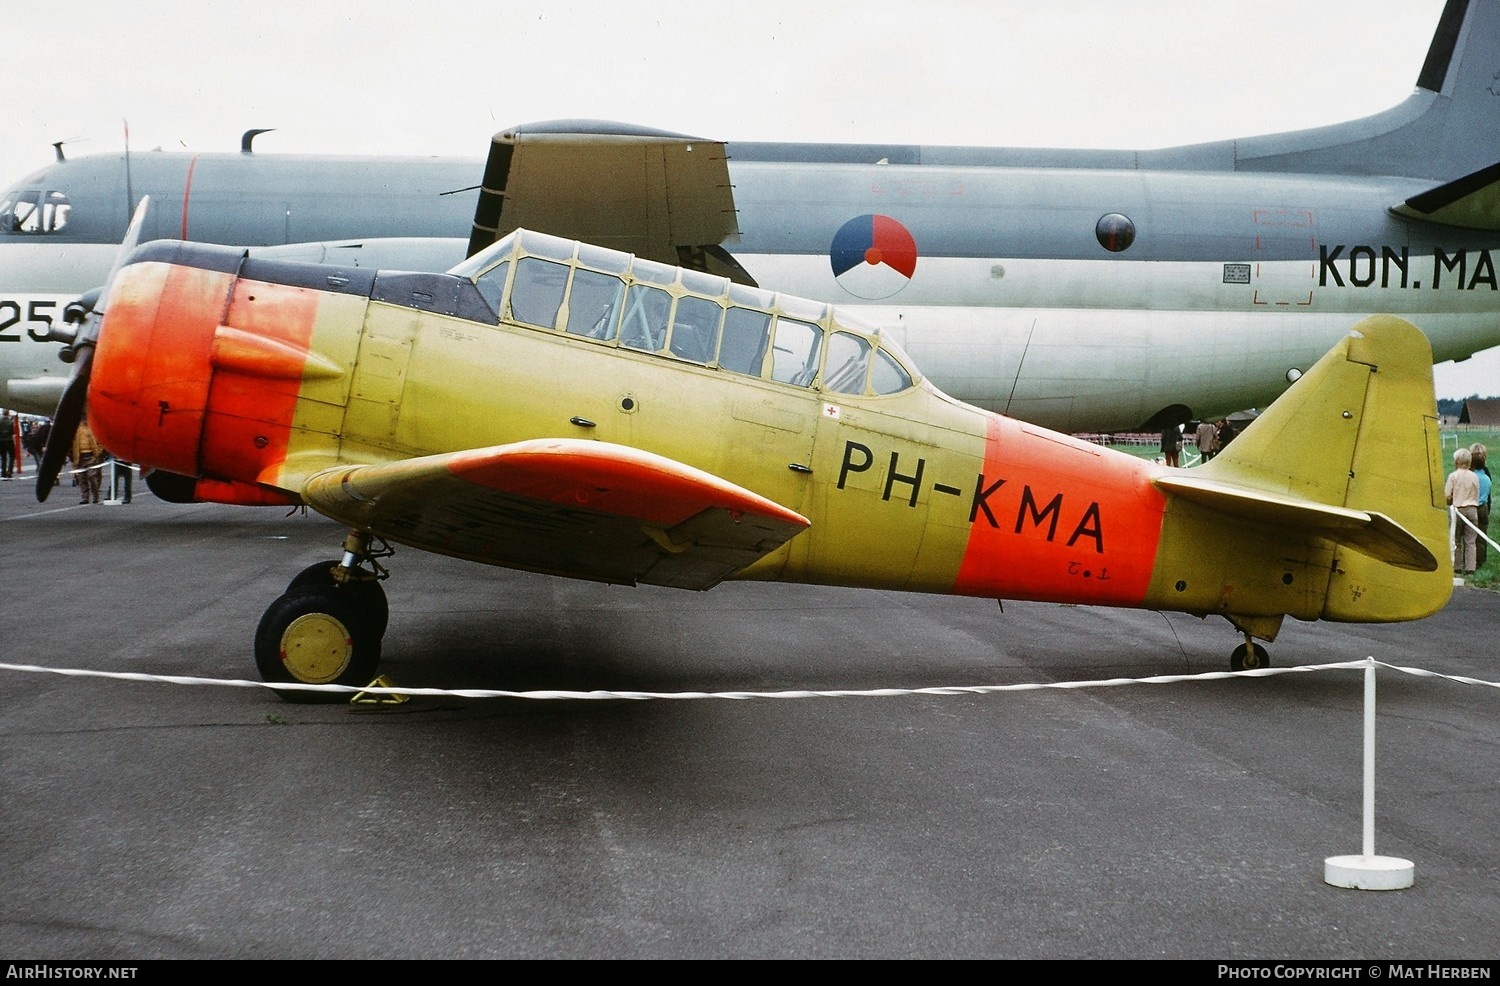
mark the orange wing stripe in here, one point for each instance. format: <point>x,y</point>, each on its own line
<point>612,479</point>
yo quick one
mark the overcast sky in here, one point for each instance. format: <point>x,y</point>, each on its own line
<point>374,76</point>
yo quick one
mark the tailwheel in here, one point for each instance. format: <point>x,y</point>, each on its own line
<point>320,635</point>
<point>1249,656</point>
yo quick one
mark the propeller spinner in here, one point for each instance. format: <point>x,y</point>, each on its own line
<point>70,407</point>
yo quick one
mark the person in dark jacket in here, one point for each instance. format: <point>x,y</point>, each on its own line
<point>1171,445</point>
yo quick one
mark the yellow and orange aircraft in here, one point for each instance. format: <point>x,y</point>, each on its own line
<point>559,407</point>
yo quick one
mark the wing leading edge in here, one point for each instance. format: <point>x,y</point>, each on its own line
<point>582,509</point>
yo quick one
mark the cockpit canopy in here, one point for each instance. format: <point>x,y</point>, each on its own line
<point>34,210</point>
<point>616,299</point>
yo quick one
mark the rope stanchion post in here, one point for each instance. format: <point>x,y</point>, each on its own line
<point>119,485</point>
<point>1368,871</point>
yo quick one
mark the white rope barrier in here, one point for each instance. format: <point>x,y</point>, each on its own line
<point>553,694</point>
<point>1455,517</point>
<point>1365,871</point>
<point>100,465</point>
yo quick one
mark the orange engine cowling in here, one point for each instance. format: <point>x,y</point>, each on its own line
<point>148,391</point>
<point>201,358</point>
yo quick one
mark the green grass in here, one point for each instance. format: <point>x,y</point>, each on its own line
<point>1488,574</point>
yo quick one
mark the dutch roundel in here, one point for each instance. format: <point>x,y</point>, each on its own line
<point>873,256</point>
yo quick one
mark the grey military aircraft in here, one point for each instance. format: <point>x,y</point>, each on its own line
<point>1063,287</point>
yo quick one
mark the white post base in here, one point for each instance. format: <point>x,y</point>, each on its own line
<point>1369,872</point>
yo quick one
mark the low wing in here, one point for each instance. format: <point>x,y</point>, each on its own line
<point>1470,202</point>
<point>583,509</point>
<point>655,194</point>
<point>1374,534</point>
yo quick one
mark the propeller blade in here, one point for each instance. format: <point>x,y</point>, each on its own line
<point>127,246</point>
<point>74,401</point>
<point>64,425</point>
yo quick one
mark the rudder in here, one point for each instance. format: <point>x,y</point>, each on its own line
<point>1360,431</point>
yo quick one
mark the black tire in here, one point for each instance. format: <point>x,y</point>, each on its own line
<point>367,592</point>
<point>1252,658</point>
<point>317,635</point>
<point>318,573</point>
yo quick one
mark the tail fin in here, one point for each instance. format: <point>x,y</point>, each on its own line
<point>1351,454</point>
<point>1444,130</point>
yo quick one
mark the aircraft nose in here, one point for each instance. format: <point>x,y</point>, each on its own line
<point>152,368</point>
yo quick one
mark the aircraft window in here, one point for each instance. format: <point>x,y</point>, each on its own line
<point>19,214</point>
<point>810,311</point>
<point>740,294</point>
<point>886,375</point>
<point>745,335</point>
<point>695,329</point>
<point>646,313</point>
<point>32,212</point>
<point>491,285</point>
<point>593,304</point>
<point>538,292</point>
<point>1115,232</point>
<point>470,266</point>
<point>709,284</point>
<point>609,260</point>
<point>652,272</point>
<point>848,358</point>
<point>554,247</point>
<point>794,358</point>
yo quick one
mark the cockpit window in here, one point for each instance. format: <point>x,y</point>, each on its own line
<point>886,375</point>
<point>491,285</point>
<point>695,329</point>
<point>646,314</point>
<point>603,258</point>
<point>544,245</point>
<point>34,211</point>
<point>616,299</point>
<point>794,358</point>
<point>593,304</point>
<point>538,292</point>
<point>652,272</point>
<point>745,335</point>
<point>848,359</point>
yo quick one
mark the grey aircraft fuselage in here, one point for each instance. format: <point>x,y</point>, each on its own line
<point>1082,290</point>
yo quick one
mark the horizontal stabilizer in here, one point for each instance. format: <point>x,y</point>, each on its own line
<point>582,509</point>
<point>1470,202</point>
<point>1373,534</point>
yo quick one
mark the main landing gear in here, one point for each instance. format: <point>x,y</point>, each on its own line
<point>327,627</point>
<point>1249,656</point>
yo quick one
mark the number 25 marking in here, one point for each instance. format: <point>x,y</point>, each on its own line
<point>10,317</point>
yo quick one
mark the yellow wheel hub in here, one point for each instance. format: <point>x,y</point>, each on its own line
<point>316,648</point>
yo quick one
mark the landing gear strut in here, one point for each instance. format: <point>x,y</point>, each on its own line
<point>1249,656</point>
<point>327,627</point>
